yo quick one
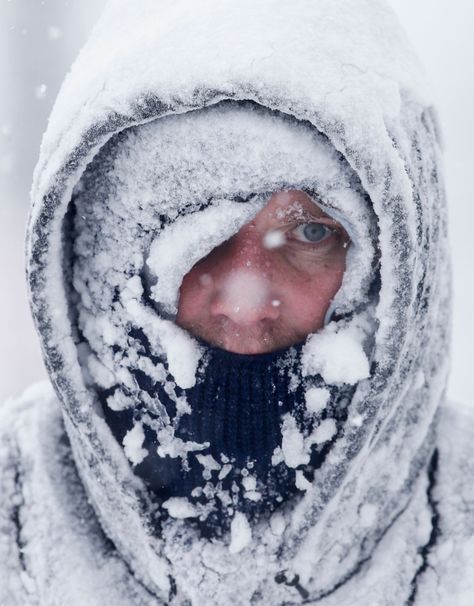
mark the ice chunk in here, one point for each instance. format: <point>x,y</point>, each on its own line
<point>240,533</point>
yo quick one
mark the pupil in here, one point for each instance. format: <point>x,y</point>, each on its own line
<point>314,232</point>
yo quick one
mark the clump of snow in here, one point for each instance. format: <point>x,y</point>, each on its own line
<point>337,354</point>
<point>249,482</point>
<point>100,373</point>
<point>317,399</point>
<point>356,420</point>
<point>182,352</point>
<point>296,447</point>
<point>133,444</point>
<point>324,432</point>
<point>172,446</point>
<point>180,508</point>
<point>293,445</point>
<point>240,533</point>
<point>301,482</point>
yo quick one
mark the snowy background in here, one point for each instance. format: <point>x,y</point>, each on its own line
<point>38,41</point>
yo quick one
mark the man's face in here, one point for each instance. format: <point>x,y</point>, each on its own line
<point>270,285</point>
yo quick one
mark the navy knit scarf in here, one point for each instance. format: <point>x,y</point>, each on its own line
<point>237,406</point>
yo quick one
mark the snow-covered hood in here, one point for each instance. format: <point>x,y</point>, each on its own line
<point>344,67</point>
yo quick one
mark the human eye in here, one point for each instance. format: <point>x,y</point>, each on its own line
<point>312,232</point>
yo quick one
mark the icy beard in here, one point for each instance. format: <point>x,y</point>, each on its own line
<point>247,424</point>
<point>146,210</point>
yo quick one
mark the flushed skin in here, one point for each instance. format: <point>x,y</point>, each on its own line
<point>73,517</point>
<point>253,295</point>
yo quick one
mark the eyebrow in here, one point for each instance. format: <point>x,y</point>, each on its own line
<point>296,210</point>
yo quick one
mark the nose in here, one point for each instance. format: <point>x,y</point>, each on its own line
<point>245,298</point>
<point>244,288</point>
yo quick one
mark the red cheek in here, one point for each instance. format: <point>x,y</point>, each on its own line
<point>307,300</point>
<point>193,293</point>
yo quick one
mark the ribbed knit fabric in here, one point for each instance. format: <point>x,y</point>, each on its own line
<point>237,407</point>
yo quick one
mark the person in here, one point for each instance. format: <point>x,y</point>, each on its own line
<point>239,273</point>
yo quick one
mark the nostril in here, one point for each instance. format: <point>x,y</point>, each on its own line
<point>244,315</point>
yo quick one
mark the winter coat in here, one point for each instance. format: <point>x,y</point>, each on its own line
<point>388,517</point>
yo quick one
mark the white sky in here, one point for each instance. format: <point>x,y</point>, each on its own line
<point>32,54</point>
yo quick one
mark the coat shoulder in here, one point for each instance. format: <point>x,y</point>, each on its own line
<point>14,411</point>
<point>18,420</point>
<point>449,574</point>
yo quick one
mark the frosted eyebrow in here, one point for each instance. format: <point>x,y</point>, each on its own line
<point>296,211</point>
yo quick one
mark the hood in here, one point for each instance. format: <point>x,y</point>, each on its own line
<point>345,68</point>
